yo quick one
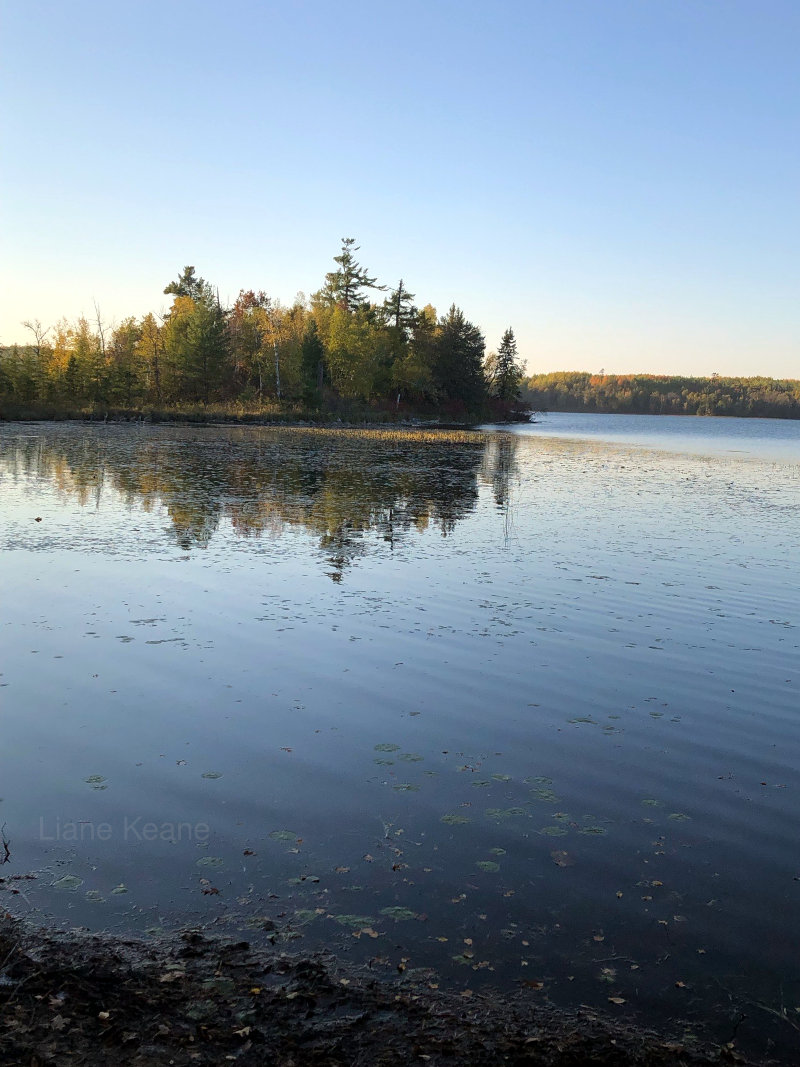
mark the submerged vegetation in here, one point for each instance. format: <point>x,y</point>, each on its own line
<point>344,352</point>
<point>650,394</point>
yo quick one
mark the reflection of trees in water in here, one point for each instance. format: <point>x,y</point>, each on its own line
<point>338,489</point>
<point>498,469</point>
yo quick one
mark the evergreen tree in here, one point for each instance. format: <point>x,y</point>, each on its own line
<point>399,309</point>
<point>343,287</point>
<point>312,363</point>
<point>507,374</point>
<point>458,349</point>
<point>188,284</point>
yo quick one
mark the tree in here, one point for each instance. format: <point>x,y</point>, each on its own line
<point>246,329</point>
<point>357,354</point>
<point>312,364</point>
<point>188,284</point>
<point>343,287</point>
<point>399,309</point>
<point>457,361</point>
<point>150,349</point>
<point>507,372</point>
<point>125,368</point>
<point>196,346</point>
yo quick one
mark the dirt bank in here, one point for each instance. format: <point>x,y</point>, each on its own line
<point>99,1000</point>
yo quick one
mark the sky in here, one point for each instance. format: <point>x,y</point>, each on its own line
<point>617,180</point>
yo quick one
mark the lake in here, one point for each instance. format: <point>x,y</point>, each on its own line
<point>518,710</point>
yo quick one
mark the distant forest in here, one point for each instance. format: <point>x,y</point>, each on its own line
<point>650,394</point>
<point>355,346</point>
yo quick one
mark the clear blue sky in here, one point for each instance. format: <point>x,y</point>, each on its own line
<point>618,180</point>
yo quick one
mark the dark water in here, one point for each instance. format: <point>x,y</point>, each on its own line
<point>518,710</point>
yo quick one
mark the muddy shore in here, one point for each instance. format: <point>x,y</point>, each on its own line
<point>78,998</point>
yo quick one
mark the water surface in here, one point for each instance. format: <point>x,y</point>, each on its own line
<point>520,711</point>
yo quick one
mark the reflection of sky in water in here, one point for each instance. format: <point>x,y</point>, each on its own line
<point>762,439</point>
<point>596,667</point>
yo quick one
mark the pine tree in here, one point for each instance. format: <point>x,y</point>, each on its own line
<point>507,371</point>
<point>343,287</point>
<point>457,364</point>
<point>399,309</point>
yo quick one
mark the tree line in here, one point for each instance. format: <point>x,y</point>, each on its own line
<point>650,394</point>
<point>354,343</point>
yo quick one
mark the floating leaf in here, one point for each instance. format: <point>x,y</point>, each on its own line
<point>678,816</point>
<point>497,851</point>
<point>591,830</point>
<point>405,787</point>
<point>502,777</point>
<point>562,859</point>
<point>356,921</point>
<point>411,757</point>
<point>454,820</point>
<point>211,774</point>
<point>387,748</point>
<point>480,783</point>
<point>94,895</point>
<point>95,779</point>
<point>384,762</point>
<point>67,881</point>
<point>283,835</point>
<point>398,914</point>
<point>617,1000</point>
<point>305,915</point>
<point>544,794</point>
<point>651,802</point>
<point>553,831</point>
<point>504,813</point>
<point>210,861</point>
<point>118,890</point>
<point>488,865</point>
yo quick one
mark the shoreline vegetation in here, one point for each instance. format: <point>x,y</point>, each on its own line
<point>355,346</point>
<point>93,999</point>
<point>658,394</point>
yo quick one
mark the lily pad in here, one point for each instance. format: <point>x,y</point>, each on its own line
<point>411,757</point>
<point>118,890</point>
<point>211,774</point>
<point>501,777</point>
<point>210,861</point>
<point>544,794</point>
<point>553,831</point>
<point>591,830</point>
<point>504,813</point>
<point>95,779</point>
<point>488,865</point>
<point>67,881</point>
<point>651,802</point>
<point>283,835</point>
<point>454,820</point>
<point>356,921</point>
<point>678,816</point>
<point>398,914</point>
<point>306,915</point>
<point>387,748</point>
<point>405,787</point>
<point>384,762</point>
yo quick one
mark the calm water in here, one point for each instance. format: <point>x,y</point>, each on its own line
<point>522,710</point>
